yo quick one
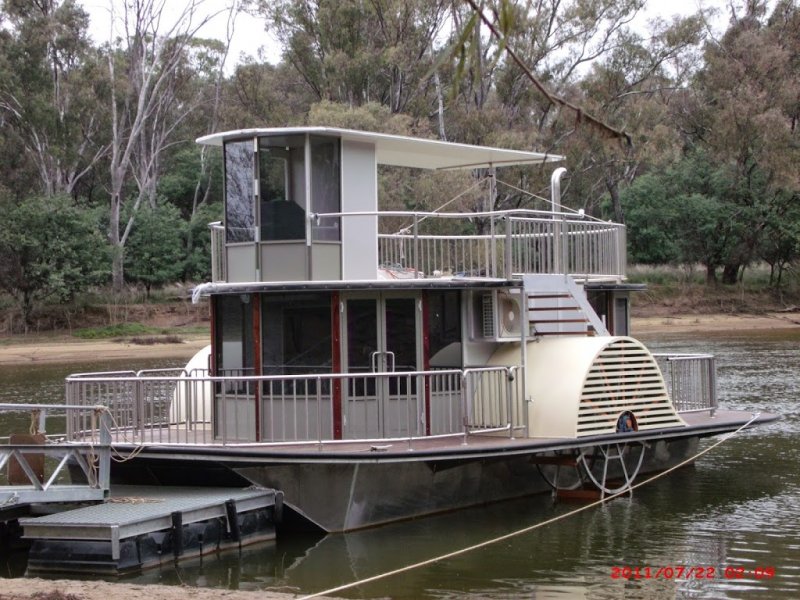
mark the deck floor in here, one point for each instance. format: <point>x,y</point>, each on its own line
<point>181,440</point>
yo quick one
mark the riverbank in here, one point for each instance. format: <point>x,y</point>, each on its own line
<point>68,589</point>
<point>22,350</point>
<point>651,325</point>
<point>66,350</point>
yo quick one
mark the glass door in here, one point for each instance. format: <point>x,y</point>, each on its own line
<point>382,342</point>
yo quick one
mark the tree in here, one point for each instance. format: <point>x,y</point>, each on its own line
<point>145,70</point>
<point>155,253</point>
<point>51,251</point>
<point>48,91</point>
<point>780,245</point>
<point>354,51</point>
<point>745,114</point>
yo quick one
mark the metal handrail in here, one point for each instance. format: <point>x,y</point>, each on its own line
<point>531,242</point>
<point>92,456</point>
<point>691,381</point>
<point>298,408</point>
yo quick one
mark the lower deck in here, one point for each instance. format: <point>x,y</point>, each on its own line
<point>699,424</point>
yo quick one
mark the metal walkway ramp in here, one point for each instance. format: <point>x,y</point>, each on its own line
<point>34,468</point>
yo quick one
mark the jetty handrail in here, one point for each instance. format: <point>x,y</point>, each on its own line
<point>32,479</point>
<point>691,381</point>
<point>197,408</point>
<point>499,244</point>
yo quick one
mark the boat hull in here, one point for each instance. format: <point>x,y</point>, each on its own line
<point>365,491</point>
<point>344,497</point>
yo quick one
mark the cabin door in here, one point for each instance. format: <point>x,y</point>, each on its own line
<point>382,346</point>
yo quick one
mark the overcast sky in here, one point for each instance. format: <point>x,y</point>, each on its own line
<point>250,33</point>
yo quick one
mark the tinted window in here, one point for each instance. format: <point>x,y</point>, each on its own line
<point>296,334</point>
<point>239,201</point>
<point>234,335</point>
<point>325,186</point>
<point>282,187</point>
<point>444,329</point>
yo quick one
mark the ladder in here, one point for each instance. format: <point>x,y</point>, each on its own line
<point>556,305</point>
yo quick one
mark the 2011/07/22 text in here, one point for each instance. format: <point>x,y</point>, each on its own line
<point>693,572</point>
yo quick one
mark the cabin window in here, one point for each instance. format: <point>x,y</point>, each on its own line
<point>234,335</point>
<point>282,188</point>
<point>326,187</point>
<point>296,334</point>
<point>239,199</point>
<point>444,329</point>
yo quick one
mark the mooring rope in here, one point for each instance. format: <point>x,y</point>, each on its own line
<point>530,528</point>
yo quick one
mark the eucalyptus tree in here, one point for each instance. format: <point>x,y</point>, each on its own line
<point>745,112</point>
<point>356,51</point>
<point>146,70</point>
<point>573,78</point>
<point>49,87</point>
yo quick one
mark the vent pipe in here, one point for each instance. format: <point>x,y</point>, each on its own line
<point>555,188</point>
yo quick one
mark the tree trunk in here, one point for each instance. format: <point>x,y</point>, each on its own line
<point>711,274</point>
<point>118,267</point>
<point>613,190</point>
<point>730,274</point>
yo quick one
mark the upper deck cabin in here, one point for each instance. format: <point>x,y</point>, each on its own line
<point>301,204</point>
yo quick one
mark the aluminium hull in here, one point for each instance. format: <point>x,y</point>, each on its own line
<point>347,487</point>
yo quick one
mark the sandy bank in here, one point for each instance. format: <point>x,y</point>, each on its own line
<point>712,323</point>
<point>66,350</point>
<point>67,589</point>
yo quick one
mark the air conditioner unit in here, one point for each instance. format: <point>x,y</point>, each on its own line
<point>500,316</point>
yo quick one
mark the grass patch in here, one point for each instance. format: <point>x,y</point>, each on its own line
<point>152,340</point>
<point>113,331</point>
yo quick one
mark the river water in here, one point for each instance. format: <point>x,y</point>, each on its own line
<point>727,527</point>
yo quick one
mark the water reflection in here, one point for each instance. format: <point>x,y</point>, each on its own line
<point>737,507</point>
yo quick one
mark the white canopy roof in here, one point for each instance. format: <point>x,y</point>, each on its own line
<point>402,151</point>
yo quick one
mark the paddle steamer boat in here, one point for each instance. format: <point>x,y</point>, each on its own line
<point>382,365</point>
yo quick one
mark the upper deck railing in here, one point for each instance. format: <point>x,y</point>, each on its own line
<point>500,244</point>
<point>504,244</point>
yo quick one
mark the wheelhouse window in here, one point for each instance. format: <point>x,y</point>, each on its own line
<point>296,334</point>
<point>234,335</point>
<point>239,199</point>
<point>282,187</point>
<point>326,187</point>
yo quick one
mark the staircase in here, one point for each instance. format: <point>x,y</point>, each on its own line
<point>556,305</point>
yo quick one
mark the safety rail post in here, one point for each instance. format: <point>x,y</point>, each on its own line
<point>465,383</point>
<point>712,383</point>
<point>408,411</point>
<point>415,229</point>
<point>138,399</point>
<point>104,478</point>
<point>509,400</point>
<point>507,250</point>
<point>319,412</point>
